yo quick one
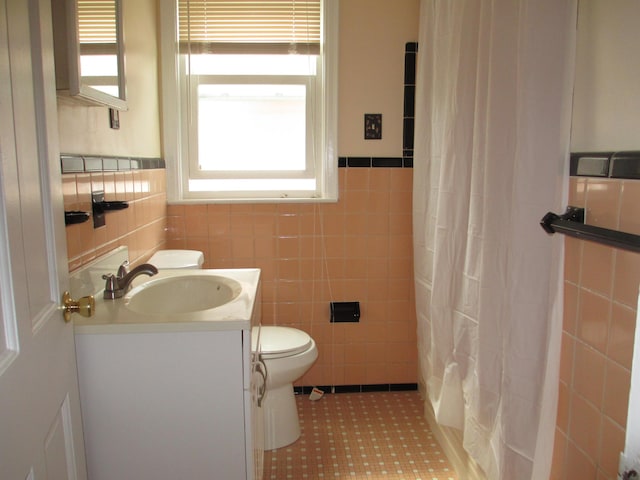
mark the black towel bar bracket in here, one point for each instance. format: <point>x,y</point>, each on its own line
<point>100,207</point>
<point>572,223</point>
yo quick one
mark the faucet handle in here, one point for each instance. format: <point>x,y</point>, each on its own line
<point>122,270</point>
<point>112,282</point>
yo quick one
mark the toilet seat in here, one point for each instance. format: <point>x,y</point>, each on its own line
<point>277,342</point>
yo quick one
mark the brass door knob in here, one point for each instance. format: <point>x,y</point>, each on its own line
<point>85,306</point>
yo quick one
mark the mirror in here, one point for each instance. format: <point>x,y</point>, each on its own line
<point>89,51</point>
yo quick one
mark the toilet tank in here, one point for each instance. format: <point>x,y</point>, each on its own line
<point>177,259</point>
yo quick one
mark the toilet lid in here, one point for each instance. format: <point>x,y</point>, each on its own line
<point>283,341</point>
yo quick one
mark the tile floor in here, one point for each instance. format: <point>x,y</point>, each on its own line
<point>380,435</point>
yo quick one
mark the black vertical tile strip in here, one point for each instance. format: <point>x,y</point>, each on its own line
<point>409,100</point>
<point>410,57</point>
<point>408,133</point>
<point>411,47</point>
<point>410,68</point>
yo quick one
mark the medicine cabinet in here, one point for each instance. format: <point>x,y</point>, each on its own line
<point>89,51</point>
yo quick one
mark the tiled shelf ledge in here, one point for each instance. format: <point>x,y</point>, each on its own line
<point>95,163</point>
<point>624,165</point>
<point>381,387</point>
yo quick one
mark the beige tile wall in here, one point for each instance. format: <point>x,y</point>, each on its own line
<point>601,293</point>
<point>359,249</point>
<point>141,227</point>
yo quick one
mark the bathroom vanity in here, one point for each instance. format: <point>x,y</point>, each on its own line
<point>172,396</point>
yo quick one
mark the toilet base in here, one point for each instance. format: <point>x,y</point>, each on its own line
<point>281,423</point>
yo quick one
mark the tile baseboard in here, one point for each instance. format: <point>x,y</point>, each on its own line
<point>381,387</point>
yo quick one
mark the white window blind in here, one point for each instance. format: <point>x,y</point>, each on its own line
<point>249,26</point>
<point>97,26</point>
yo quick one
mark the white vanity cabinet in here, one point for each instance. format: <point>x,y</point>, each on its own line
<point>165,405</point>
<point>170,400</point>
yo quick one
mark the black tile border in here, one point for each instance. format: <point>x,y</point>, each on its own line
<point>94,163</point>
<point>625,165</point>
<point>386,162</point>
<point>380,387</point>
<point>406,160</point>
<point>622,165</point>
<point>375,162</point>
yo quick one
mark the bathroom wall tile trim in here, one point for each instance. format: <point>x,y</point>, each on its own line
<point>375,162</point>
<point>410,56</point>
<point>406,161</point>
<point>94,163</point>
<point>605,164</point>
<point>379,387</point>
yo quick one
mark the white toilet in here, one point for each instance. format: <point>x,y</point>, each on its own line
<point>177,259</point>
<point>287,354</point>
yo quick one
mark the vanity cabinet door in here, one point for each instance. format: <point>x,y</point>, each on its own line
<point>164,405</point>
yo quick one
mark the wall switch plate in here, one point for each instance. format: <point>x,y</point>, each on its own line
<point>372,126</point>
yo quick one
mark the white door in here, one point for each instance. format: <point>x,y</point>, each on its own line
<point>40,425</point>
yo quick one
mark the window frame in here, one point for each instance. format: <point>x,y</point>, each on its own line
<point>176,113</point>
<point>191,166</point>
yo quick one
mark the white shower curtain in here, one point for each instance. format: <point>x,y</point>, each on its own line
<point>492,133</point>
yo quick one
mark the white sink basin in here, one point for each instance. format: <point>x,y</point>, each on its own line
<point>182,294</point>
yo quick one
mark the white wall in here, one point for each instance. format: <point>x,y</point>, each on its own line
<point>607,87</point>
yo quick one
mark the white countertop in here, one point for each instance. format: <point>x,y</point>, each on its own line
<point>112,316</point>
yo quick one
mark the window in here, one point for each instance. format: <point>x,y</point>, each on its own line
<point>249,99</point>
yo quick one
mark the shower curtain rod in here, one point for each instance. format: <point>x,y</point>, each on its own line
<point>572,223</point>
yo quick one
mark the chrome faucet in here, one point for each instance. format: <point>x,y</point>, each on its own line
<point>119,284</point>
